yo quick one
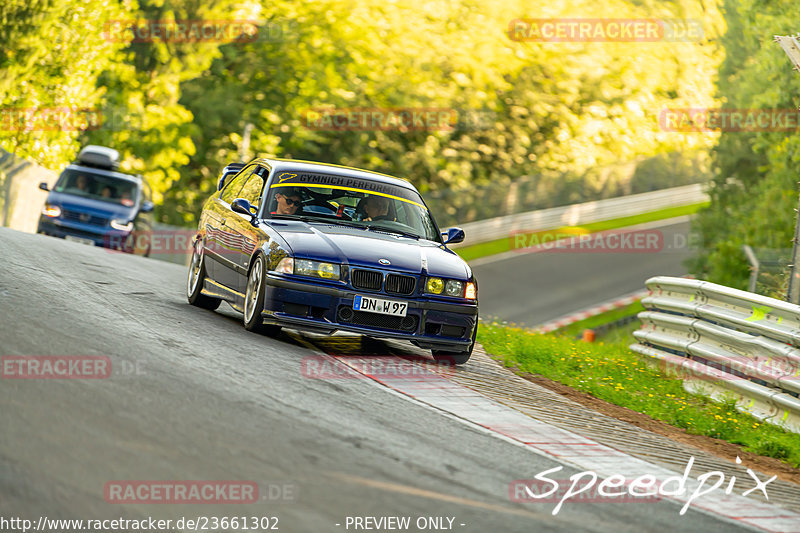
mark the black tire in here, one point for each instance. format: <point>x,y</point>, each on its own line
<point>451,358</point>
<point>194,282</point>
<point>254,295</point>
<point>455,358</point>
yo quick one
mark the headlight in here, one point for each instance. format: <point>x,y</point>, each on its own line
<point>121,225</point>
<point>434,285</point>
<point>454,288</point>
<point>285,266</point>
<point>305,267</point>
<point>52,211</point>
<point>451,287</point>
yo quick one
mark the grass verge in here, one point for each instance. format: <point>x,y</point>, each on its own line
<point>611,372</point>
<point>474,251</point>
<point>576,328</point>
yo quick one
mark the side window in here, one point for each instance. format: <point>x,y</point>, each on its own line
<point>255,184</point>
<point>231,190</point>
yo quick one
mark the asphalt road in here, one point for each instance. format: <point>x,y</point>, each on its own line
<point>193,396</point>
<point>532,288</point>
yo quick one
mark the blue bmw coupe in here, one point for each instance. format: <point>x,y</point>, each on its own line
<point>325,248</point>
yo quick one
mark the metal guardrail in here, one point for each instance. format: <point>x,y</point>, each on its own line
<point>726,343</point>
<point>585,213</point>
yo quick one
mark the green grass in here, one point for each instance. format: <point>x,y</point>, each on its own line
<point>612,372</point>
<point>474,251</point>
<point>576,328</point>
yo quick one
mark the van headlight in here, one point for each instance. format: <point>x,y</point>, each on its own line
<point>121,225</point>
<point>52,211</point>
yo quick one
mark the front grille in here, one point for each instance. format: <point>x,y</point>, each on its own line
<point>375,320</point>
<point>85,218</point>
<point>370,280</point>
<point>397,284</point>
<point>84,234</point>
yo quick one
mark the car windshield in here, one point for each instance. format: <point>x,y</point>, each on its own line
<point>352,202</point>
<point>97,187</point>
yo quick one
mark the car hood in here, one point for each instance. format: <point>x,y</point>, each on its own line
<point>360,247</point>
<point>72,202</point>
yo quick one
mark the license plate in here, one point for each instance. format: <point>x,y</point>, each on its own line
<point>81,240</point>
<point>380,306</point>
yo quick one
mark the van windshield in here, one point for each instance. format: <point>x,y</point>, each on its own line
<point>97,187</point>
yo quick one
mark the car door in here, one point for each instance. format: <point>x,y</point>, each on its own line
<point>219,237</point>
<point>247,235</point>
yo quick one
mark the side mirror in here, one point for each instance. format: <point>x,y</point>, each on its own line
<point>147,207</point>
<point>44,187</point>
<point>453,236</point>
<point>240,205</point>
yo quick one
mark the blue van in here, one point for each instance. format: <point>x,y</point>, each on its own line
<point>92,203</point>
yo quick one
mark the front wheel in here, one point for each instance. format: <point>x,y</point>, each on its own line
<point>455,358</point>
<point>254,299</point>
<point>451,358</point>
<point>194,283</point>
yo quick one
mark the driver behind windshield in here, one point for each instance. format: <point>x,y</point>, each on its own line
<point>80,183</point>
<point>288,200</point>
<point>376,208</point>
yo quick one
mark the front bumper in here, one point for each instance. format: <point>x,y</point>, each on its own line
<point>323,308</point>
<point>101,236</point>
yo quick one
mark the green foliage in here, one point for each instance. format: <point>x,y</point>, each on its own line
<point>52,56</point>
<point>575,121</point>
<point>754,191</point>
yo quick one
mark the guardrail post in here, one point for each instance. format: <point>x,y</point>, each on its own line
<point>793,294</point>
<point>754,266</point>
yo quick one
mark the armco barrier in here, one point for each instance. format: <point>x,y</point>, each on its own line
<point>585,213</point>
<point>726,343</point>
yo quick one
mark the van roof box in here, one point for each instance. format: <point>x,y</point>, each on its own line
<point>99,156</point>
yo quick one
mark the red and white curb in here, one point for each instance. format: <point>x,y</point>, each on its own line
<point>564,446</point>
<point>566,320</point>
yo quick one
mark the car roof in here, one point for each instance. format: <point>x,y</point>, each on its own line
<point>104,172</point>
<point>327,168</point>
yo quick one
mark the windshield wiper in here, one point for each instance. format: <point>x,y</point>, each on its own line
<point>395,231</point>
<point>307,218</point>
